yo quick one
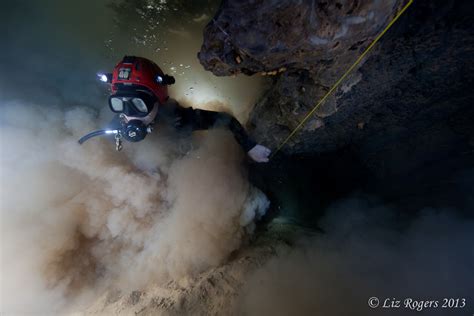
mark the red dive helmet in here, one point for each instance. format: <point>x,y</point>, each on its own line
<point>137,84</point>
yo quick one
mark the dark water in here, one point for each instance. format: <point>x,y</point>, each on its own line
<point>53,49</point>
<point>305,188</point>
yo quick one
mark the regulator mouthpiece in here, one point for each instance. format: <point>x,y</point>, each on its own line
<point>134,131</point>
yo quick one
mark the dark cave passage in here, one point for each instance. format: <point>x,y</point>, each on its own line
<point>429,166</point>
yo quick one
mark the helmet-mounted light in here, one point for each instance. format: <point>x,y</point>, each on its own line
<point>104,77</point>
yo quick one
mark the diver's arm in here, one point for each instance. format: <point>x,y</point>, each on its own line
<point>202,119</point>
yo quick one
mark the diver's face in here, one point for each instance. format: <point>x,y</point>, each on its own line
<point>145,119</point>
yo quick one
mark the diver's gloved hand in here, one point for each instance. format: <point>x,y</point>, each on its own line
<point>259,153</point>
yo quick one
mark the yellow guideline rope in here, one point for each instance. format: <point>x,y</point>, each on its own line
<point>342,78</point>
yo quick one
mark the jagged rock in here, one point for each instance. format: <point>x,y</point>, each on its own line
<point>397,89</point>
<point>307,45</point>
<point>266,36</point>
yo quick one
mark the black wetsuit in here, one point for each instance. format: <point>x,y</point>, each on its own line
<point>196,119</point>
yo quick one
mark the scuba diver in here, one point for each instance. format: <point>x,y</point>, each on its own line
<point>140,99</point>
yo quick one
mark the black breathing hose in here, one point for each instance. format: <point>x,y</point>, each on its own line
<point>92,134</point>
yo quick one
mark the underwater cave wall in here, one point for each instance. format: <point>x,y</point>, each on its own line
<point>399,127</point>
